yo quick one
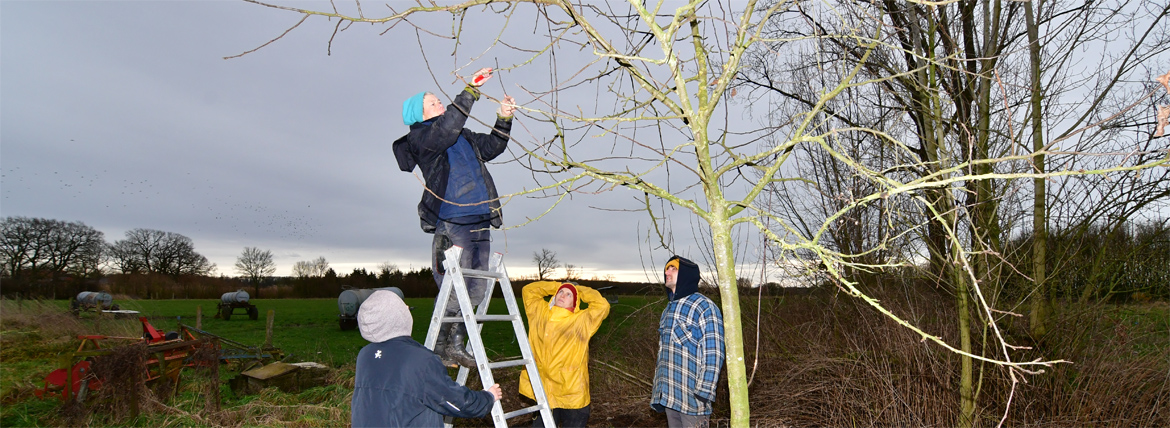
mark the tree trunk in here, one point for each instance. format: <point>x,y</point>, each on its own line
<point>1040,307</point>
<point>720,222</point>
<point>967,399</point>
<point>737,388</point>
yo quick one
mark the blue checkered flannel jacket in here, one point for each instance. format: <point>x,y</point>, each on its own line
<point>690,356</point>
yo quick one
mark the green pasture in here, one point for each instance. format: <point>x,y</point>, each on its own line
<point>35,334</point>
<point>308,329</point>
<point>305,329</point>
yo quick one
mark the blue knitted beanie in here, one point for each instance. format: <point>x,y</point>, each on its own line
<point>412,109</point>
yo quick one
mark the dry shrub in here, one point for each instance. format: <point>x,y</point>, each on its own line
<point>205,360</point>
<point>123,390</point>
<point>56,323</point>
<point>1117,375</point>
<point>621,369</point>
<point>829,360</point>
<point>50,321</point>
<point>33,330</point>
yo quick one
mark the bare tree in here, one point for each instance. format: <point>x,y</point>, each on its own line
<point>546,262</point>
<point>155,251</point>
<point>664,129</point>
<point>32,249</point>
<point>256,265</point>
<point>944,100</point>
<point>315,268</point>
<point>572,272</point>
<point>386,269</point>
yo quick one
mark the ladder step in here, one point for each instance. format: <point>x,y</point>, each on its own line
<point>508,317</point>
<point>482,318</point>
<point>509,363</point>
<point>523,411</point>
<point>473,273</point>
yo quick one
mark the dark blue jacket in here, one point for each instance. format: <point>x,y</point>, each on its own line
<point>426,147</point>
<point>400,383</point>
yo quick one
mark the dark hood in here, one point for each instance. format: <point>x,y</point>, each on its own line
<point>688,278</point>
<point>402,153</point>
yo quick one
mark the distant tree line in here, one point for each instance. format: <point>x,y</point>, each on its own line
<point>1101,262</point>
<point>54,259</point>
<point>37,255</point>
<point>44,258</point>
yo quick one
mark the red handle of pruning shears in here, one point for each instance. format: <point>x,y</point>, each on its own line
<point>479,79</point>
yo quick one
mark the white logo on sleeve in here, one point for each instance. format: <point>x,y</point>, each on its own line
<point>378,354</point>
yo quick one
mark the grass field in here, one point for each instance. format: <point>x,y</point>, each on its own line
<point>308,329</point>
<point>823,360</point>
<point>36,333</point>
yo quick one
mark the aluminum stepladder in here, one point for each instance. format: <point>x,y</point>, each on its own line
<point>473,317</point>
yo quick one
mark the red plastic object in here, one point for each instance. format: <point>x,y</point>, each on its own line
<point>479,79</point>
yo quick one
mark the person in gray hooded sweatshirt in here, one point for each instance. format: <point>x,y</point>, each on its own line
<point>690,349</point>
<point>399,382</point>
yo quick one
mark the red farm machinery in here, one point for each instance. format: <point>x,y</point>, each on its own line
<point>158,361</point>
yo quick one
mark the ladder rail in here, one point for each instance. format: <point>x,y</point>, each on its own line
<point>473,316</point>
<point>437,316</point>
<point>526,351</point>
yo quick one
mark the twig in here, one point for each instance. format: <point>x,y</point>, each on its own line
<point>303,18</point>
<point>628,376</point>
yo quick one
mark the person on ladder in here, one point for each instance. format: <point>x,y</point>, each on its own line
<point>559,332</point>
<point>459,204</point>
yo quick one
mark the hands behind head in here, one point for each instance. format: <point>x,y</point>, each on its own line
<point>495,390</point>
<point>507,106</point>
<point>480,77</point>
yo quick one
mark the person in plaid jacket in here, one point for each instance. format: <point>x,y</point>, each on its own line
<point>690,349</point>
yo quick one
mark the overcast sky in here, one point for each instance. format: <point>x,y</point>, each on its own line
<point>125,115</point>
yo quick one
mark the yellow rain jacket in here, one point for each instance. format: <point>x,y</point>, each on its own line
<point>560,342</point>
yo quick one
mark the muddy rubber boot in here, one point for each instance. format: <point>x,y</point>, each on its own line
<point>456,346</point>
<point>441,346</point>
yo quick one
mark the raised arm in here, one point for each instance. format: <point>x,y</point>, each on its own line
<point>448,398</point>
<point>444,132</point>
<point>535,293</point>
<point>598,307</point>
<point>452,121</point>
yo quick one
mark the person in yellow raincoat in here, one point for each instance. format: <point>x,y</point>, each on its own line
<point>559,332</point>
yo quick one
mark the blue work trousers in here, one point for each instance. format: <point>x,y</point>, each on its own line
<point>476,240</point>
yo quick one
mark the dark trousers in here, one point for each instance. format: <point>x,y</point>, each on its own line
<point>476,241</point>
<point>565,418</point>
<point>680,420</point>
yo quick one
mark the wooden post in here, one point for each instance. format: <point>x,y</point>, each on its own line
<point>268,329</point>
<point>199,317</point>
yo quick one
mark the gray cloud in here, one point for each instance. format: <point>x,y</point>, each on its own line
<point>125,115</point>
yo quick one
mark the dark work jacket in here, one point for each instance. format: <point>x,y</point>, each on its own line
<point>400,383</point>
<point>426,147</point>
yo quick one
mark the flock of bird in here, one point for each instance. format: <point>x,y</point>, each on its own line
<point>185,206</point>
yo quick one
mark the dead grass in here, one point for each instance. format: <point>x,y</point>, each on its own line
<point>824,360</point>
